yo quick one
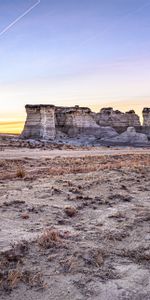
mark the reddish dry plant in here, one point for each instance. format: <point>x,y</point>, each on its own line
<point>70,211</point>
<point>17,276</point>
<point>50,238</point>
<point>73,165</point>
<point>20,172</point>
<point>14,277</point>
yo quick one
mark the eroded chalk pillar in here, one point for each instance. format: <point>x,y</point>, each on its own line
<point>146,117</point>
<point>146,121</point>
<point>40,122</point>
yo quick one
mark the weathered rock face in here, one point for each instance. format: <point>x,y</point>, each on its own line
<point>116,119</point>
<point>146,122</point>
<point>76,120</point>
<point>48,122</point>
<point>146,117</point>
<point>130,136</point>
<point>40,122</point>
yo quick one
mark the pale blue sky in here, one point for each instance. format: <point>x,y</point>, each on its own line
<point>67,52</point>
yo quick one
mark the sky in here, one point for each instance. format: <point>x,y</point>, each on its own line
<point>92,53</point>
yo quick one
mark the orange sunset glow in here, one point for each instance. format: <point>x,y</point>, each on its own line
<point>93,54</point>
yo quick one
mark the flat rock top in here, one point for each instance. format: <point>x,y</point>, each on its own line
<point>146,110</point>
<point>40,106</point>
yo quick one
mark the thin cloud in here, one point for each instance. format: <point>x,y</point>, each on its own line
<point>7,28</point>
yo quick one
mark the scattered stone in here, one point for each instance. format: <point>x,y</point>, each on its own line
<point>25,216</point>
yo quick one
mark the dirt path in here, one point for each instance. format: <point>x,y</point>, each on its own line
<point>39,154</point>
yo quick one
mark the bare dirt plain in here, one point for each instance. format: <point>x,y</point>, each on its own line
<point>75,224</point>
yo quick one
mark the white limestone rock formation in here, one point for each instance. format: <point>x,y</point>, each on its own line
<point>40,122</point>
<point>47,122</point>
<point>79,121</point>
<point>116,119</point>
<point>146,117</point>
<point>146,121</point>
<point>76,120</point>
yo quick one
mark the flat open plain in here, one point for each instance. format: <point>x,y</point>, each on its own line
<point>75,224</point>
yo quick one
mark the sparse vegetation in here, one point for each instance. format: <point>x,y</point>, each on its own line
<point>70,211</point>
<point>20,172</point>
<point>51,167</point>
<point>86,220</point>
<point>50,238</point>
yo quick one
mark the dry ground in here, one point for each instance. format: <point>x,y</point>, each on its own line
<point>75,225</point>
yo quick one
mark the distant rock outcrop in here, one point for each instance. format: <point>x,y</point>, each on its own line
<point>75,120</point>
<point>40,122</point>
<point>116,119</point>
<point>146,117</point>
<point>48,122</point>
<point>146,122</point>
<point>131,137</point>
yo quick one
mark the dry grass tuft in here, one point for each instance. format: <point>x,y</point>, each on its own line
<point>115,235</point>
<point>138,255</point>
<point>72,165</point>
<point>13,272</point>
<point>14,277</point>
<point>70,211</point>
<point>50,238</point>
<point>20,172</point>
<point>99,258</point>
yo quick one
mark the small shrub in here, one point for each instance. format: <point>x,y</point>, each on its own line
<point>70,211</point>
<point>50,238</point>
<point>14,277</point>
<point>20,172</point>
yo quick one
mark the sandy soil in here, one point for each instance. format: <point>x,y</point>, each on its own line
<point>39,153</point>
<point>75,224</point>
